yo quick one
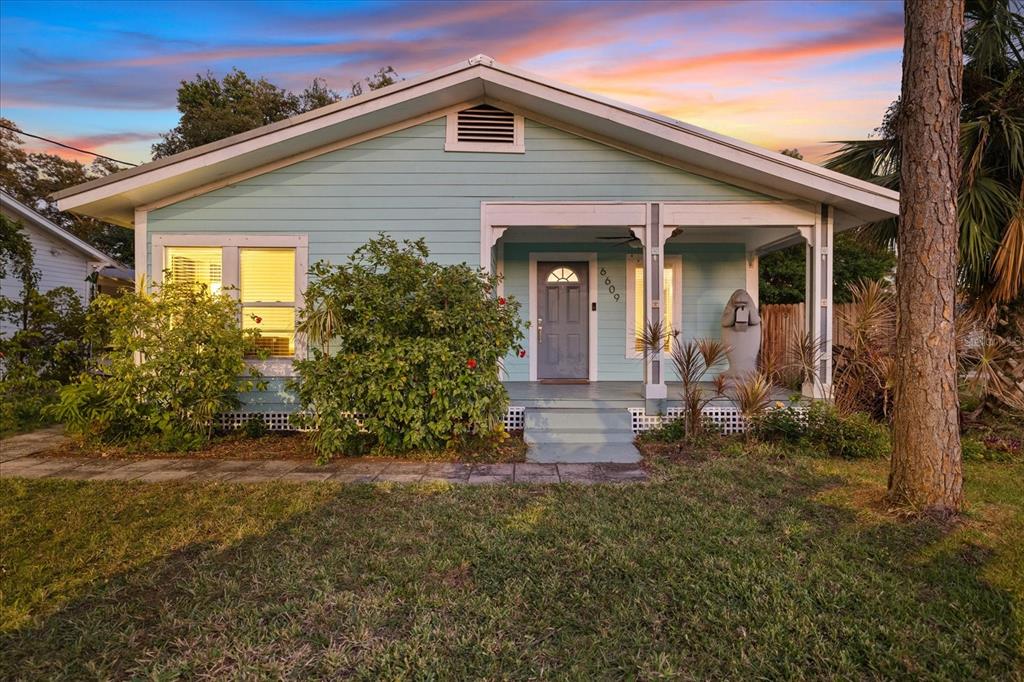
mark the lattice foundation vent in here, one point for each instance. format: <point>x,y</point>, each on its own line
<point>281,421</point>
<point>727,419</point>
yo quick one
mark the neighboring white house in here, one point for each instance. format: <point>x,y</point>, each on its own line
<point>61,258</point>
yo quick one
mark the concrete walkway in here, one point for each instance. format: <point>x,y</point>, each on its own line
<point>18,458</point>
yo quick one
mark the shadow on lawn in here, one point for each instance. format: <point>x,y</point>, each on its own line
<point>724,570</point>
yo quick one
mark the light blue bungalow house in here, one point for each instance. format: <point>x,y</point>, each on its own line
<point>598,214</point>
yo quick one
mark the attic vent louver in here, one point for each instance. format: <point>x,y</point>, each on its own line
<point>484,128</point>
<point>485,123</point>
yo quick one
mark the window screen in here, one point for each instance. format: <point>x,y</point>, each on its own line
<point>267,291</point>
<point>200,265</point>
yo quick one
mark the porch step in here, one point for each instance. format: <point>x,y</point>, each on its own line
<point>560,453</point>
<point>600,418</point>
<point>577,436</point>
<point>595,433</point>
<point>577,403</point>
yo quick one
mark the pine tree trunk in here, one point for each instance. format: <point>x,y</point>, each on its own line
<point>926,470</point>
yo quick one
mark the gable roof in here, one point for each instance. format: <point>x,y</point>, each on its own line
<point>23,212</point>
<point>113,198</point>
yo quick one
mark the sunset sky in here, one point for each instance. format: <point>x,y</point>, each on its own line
<point>779,74</point>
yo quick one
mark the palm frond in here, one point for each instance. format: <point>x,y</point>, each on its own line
<point>984,209</point>
<point>752,395</point>
<point>1008,264</point>
<point>994,37</point>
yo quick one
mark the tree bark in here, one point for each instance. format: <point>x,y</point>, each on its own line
<point>925,471</point>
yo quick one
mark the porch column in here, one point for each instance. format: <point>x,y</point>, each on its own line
<point>818,300</point>
<point>654,296</point>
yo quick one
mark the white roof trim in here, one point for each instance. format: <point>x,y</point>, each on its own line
<point>114,197</point>
<point>43,223</point>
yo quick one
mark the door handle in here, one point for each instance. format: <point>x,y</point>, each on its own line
<point>540,328</point>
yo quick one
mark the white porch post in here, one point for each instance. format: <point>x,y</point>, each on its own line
<point>753,277</point>
<point>654,296</point>
<point>818,300</point>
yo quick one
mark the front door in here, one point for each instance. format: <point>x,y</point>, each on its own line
<point>563,327</point>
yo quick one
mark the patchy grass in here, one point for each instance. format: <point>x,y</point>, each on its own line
<point>727,568</point>
<point>293,446</point>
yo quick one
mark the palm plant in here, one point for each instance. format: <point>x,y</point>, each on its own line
<point>991,361</point>
<point>654,337</point>
<point>803,357</point>
<point>752,396</point>
<point>991,197</point>
<point>693,359</point>
<point>862,380</point>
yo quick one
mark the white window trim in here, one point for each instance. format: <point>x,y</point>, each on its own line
<point>634,261</point>
<point>229,244</point>
<point>452,144</point>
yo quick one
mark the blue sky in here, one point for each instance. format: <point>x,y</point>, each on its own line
<point>103,75</point>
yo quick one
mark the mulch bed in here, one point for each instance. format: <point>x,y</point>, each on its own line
<point>289,446</point>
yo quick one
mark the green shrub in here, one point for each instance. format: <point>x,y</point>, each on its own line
<point>785,424</point>
<point>669,432</point>
<point>412,346</point>
<point>991,449</point>
<point>23,401</point>
<point>45,347</point>
<point>850,436</point>
<point>45,351</point>
<point>174,359</point>
<point>255,427</point>
<point>825,430</point>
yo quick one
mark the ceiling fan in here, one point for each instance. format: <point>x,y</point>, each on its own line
<point>631,241</point>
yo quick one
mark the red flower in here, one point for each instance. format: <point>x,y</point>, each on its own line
<point>471,363</point>
<point>522,352</point>
<point>259,320</point>
<point>501,300</point>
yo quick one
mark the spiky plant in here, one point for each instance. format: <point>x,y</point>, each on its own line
<point>319,323</point>
<point>861,381</point>
<point>803,357</point>
<point>693,359</point>
<point>655,336</point>
<point>752,395</point>
<point>993,371</point>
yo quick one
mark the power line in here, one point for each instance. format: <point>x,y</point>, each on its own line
<point>66,146</point>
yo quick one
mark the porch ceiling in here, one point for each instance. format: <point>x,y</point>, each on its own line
<point>760,239</point>
<point>565,235</point>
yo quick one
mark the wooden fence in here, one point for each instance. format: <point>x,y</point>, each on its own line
<point>782,325</point>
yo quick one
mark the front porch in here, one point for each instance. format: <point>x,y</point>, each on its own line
<point>629,263</point>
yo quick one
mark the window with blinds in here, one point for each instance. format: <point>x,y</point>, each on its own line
<point>199,265</point>
<point>267,292</point>
<point>667,307</point>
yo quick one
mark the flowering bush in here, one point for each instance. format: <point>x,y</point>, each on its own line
<point>174,360</point>
<point>412,346</point>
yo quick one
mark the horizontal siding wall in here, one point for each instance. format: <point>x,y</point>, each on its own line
<point>711,272</point>
<point>58,265</point>
<point>406,184</point>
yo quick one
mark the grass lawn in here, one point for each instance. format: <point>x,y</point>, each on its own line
<point>730,568</point>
